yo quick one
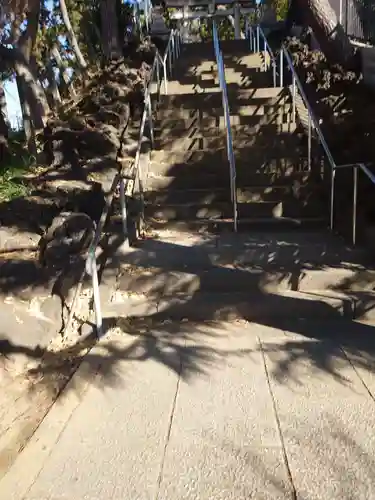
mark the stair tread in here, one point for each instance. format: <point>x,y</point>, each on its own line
<point>270,129</point>
<point>205,180</point>
<point>205,306</point>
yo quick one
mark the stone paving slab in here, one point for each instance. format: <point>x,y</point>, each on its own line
<point>330,446</point>
<point>111,444</point>
<point>210,410</point>
<point>325,411</point>
<point>224,442</point>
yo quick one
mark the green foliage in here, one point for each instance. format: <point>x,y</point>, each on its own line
<point>281,8</point>
<point>11,172</point>
<point>224,27</point>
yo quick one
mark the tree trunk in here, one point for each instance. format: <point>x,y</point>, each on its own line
<point>32,90</point>
<point>4,129</point>
<point>53,89</point>
<point>109,30</point>
<point>27,122</point>
<point>3,107</point>
<point>71,36</point>
<point>65,82</point>
<point>333,41</point>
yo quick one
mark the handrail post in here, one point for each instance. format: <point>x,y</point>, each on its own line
<point>173,53</point>
<point>165,77</point>
<point>333,178</point>
<point>178,45</point>
<point>265,53</point>
<point>150,122</point>
<point>123,211</point>
<point>146,14</point>
<point>355,200</point>
<point>309,143</point>
<point>282,67</point>
<point>294,98</point>
<point>96,297</point>
<point>158,74</point>
<point>169,58</point>
<point>258,34</point>
<point>274,73</point>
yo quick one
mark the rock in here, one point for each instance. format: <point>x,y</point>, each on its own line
<point>69,235</point>
<point>86,330</point>
<point>51,308</point>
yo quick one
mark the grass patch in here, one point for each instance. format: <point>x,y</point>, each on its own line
<point>13,170</point>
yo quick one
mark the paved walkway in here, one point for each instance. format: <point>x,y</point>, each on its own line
<point>204,411</point>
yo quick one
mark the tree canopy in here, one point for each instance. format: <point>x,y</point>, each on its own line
<point>47,47</point>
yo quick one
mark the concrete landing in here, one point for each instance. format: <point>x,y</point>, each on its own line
<point>211,411</point>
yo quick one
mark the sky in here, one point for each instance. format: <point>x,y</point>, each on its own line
<point>11,95</point>
<point>13,103</point>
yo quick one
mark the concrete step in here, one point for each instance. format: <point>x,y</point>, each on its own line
<point>244,97</point>
<point>243,63</point>
<point>187,85</point>
<point>255,155</point>
<point>271,112</point>
<point>218,121</point>
<point>246,170</point>
<point>216,226</point>
<point>188,143</point>
<point>207,196</point>
<point>251,266</point>
<point>256,306</point>
<point>245,210</point>
<point>199,79</point>
<point>263,133</point>
<point>247,160</point>
<point>157,282</point>
<point>247,79</point>
<point>226,46</point>
<point>243,67</point>
<point>204,180</point>
<point>256,93</point>
<point>276,251</point>
<point>195,86</point>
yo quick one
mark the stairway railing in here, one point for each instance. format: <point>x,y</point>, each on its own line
<point>228,127</point>
<point>255,34</point>
<point>129,181</point>
<point>172,52</point>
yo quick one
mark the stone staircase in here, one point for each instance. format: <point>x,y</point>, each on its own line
<point>189,173</point>
<point>283,262</point>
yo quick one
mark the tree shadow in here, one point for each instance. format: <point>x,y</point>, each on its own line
<point>190,290</point>
<point>333,450</point>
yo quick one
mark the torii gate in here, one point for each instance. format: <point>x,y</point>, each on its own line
<point>212,9</point>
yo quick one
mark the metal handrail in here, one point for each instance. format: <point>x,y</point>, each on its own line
<point>172,52</point>
<point>267,48</point>
<point>228,128</point>
<point>312,121</point>
<point>148,13</point>
<point>254,39</point>
<point>122,181</point>
<point>370,176</point>
<point>254,36</point>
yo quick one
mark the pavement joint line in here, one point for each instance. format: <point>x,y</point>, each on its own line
<point>168,436</point>
<point>358,375</point>
<point>67,387</point>
<point>278,424</point>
